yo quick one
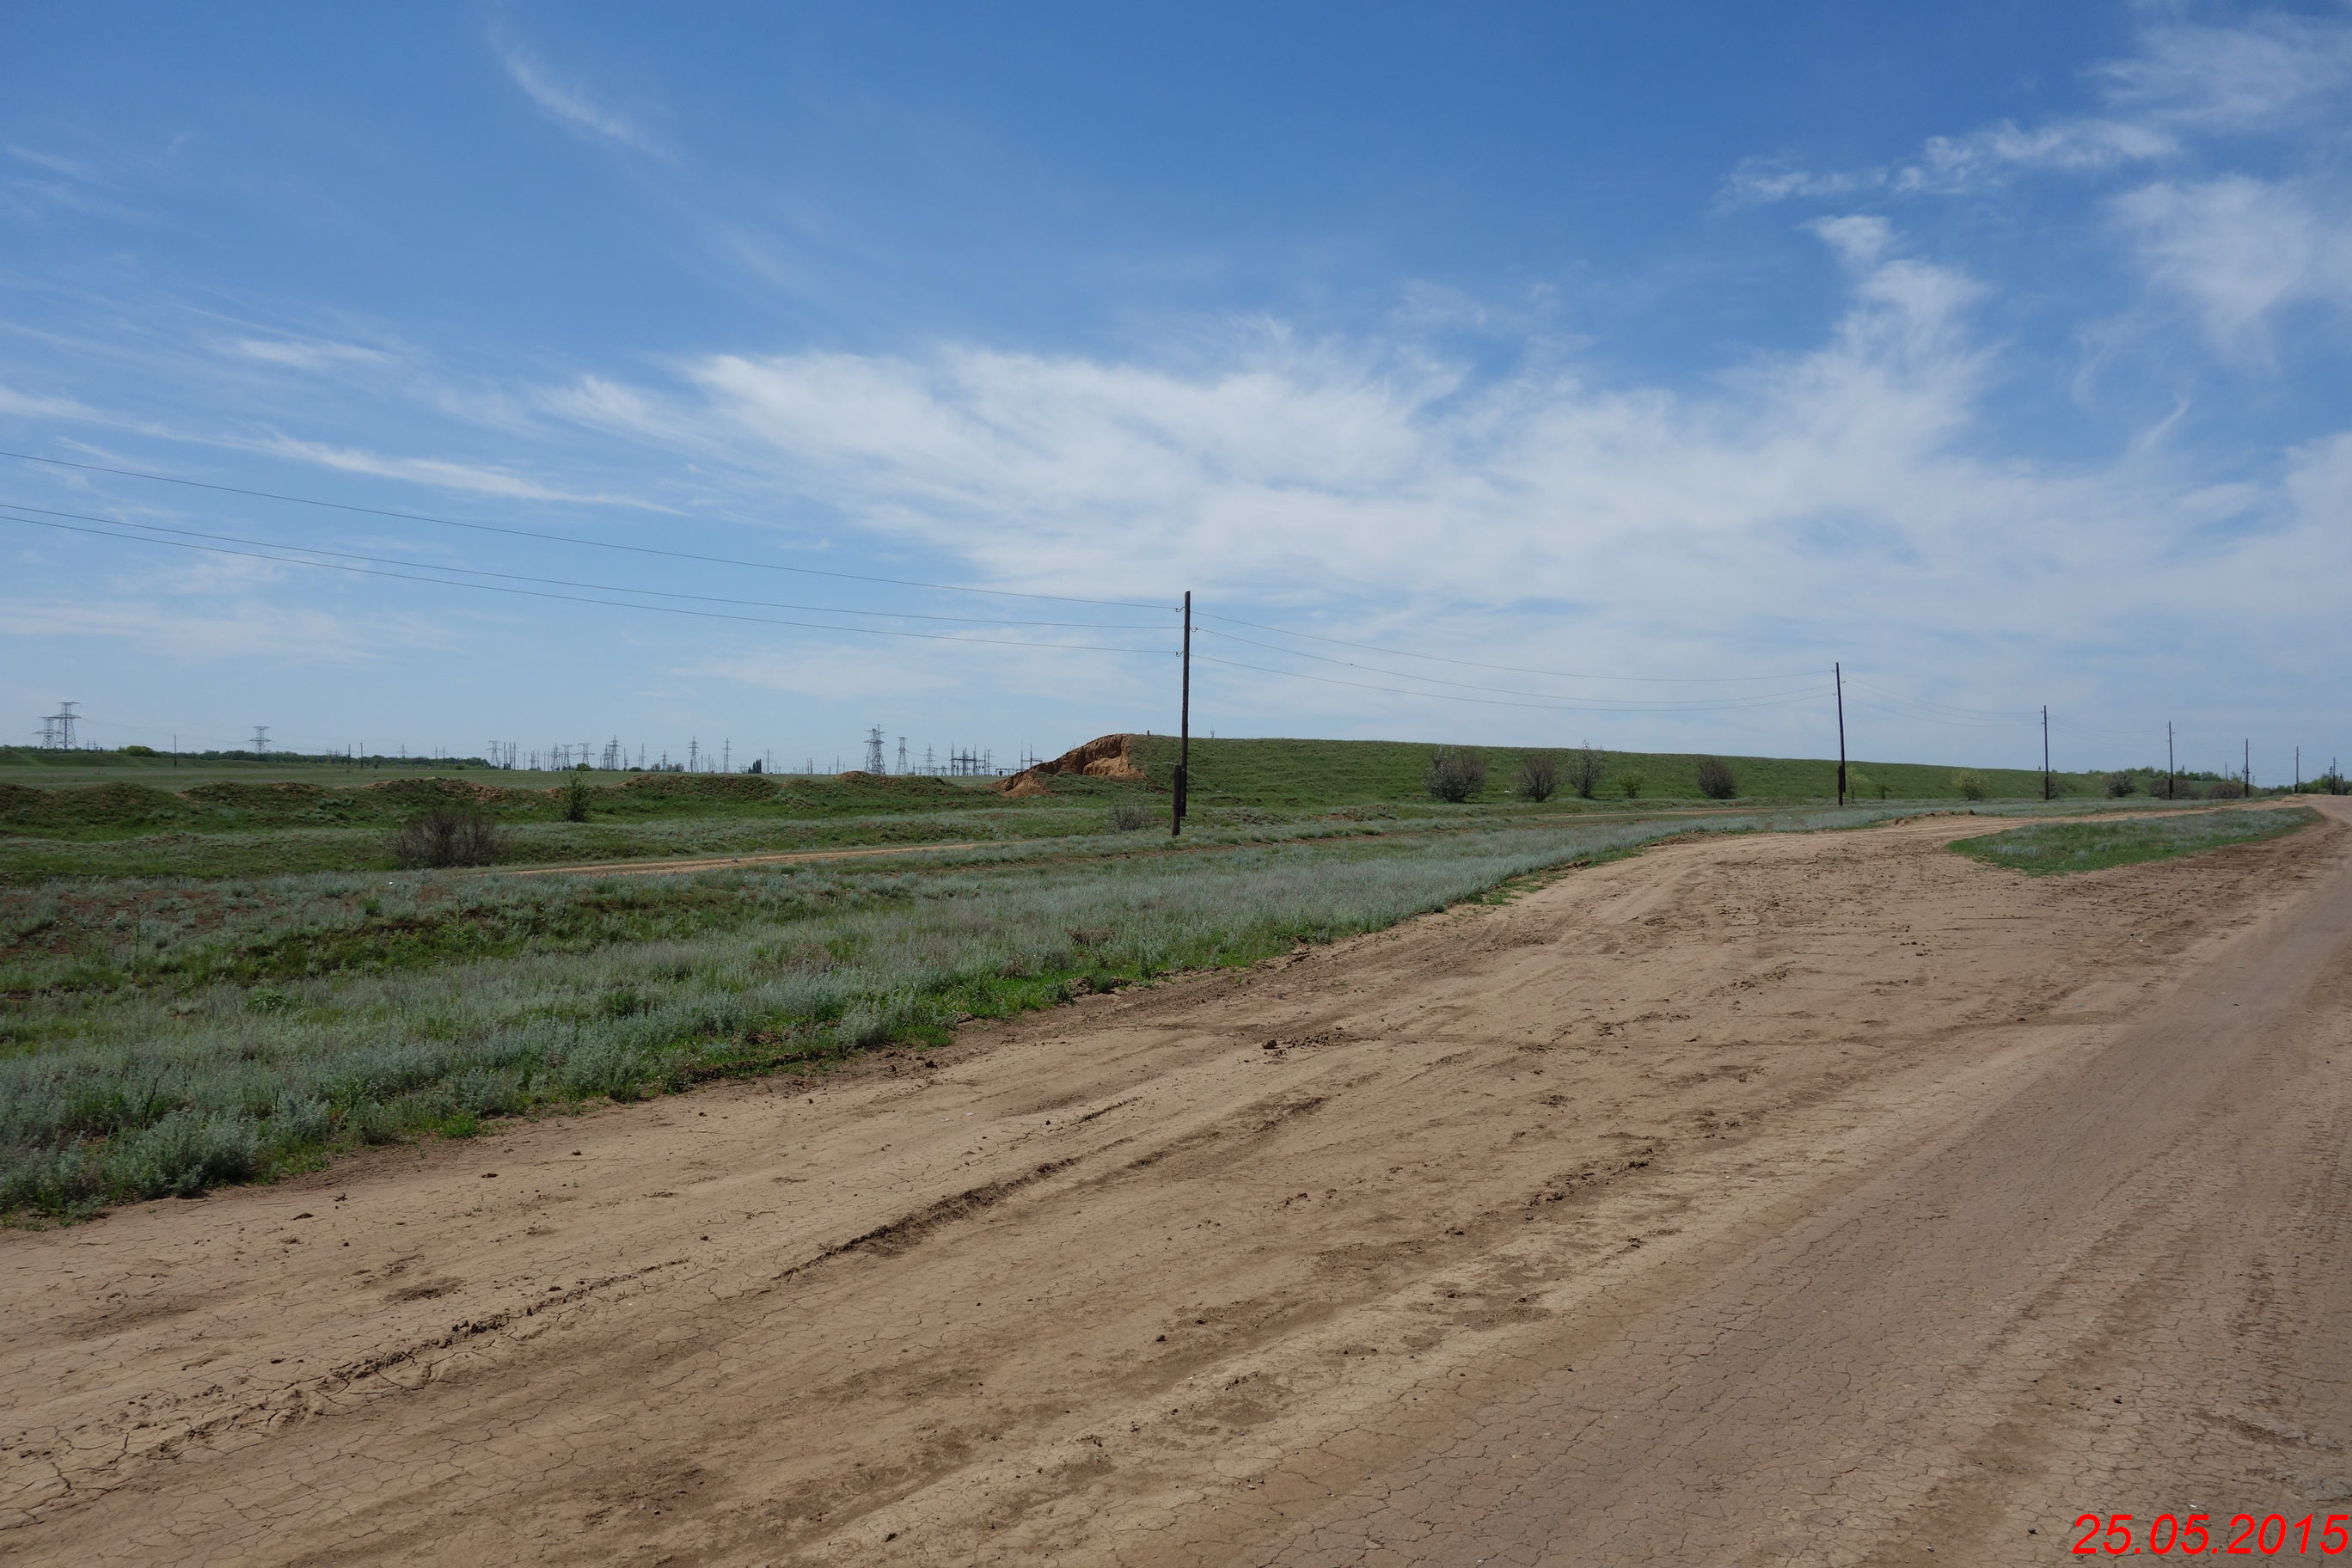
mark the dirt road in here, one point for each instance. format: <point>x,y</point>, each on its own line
<point>1820,1199</point>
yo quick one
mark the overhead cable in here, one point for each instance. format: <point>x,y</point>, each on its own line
<point>1597,703</point>
<point>1506,669</point>
<point>578,599</point>
<point>1775,701</point>
<point>568,583</point>
<point>573,539</point>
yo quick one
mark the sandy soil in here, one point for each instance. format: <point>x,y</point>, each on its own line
<point>1807,1199</point>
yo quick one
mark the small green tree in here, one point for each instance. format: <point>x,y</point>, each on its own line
<point>574,795</point>
<point>1714,780</point>
<point>1630,782</point>
<point>1969,783</point>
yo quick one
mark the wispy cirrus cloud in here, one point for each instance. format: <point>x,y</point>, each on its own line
<point>567,101</point>
<point>299,353</point>
<point>2267,73</point>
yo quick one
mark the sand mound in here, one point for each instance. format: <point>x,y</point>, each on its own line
<point>1104,757</point>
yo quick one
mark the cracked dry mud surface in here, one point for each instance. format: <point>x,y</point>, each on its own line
<point>1820,1199</point>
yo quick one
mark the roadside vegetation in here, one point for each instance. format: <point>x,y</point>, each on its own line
<point>162,1037</point>
<point>2046,849</point>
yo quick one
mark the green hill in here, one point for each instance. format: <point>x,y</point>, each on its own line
<point>1282,773</point>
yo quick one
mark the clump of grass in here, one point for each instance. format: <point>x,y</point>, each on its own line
<point>2046,849</point>
<point>1128,817</point>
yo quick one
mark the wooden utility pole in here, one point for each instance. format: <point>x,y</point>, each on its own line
<point>2248,769</point>
<point>1183,729</point>
<point>1837,674</point>
<point>2045,751</point>
<point>2171,773</point>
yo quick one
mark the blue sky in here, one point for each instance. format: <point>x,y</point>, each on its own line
<point>1600,372</point>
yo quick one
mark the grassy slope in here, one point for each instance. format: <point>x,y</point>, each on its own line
<point>1279,772</point>
<point>2049,849</point>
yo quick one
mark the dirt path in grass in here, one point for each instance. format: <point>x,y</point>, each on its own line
<point>1822,1199</point>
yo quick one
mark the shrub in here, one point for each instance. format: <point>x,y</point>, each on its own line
<point>574,795</point>
<point>2227,789</point>
<point>1714,780</point>
<point>1859,784</point>
<point>1128,816</point>
<point>2121,784</point>
<point>2170,788</point>
<point>446,836</point>
<point>1538,776</point>
<point>1585,766</point>
<point>1631,784</point>
<point>1456,772</point>
<point>1969,782</point>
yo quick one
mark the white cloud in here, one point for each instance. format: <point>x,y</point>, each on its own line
<point>242,630</point>
<point>299,353</point>
<point>2240,250</point>
<point>2269,73</point>
<point>1758,181</point>
<point>1950,165</point>
<point>36,406</point>
<point>436,471</point>
<point>566,101</point>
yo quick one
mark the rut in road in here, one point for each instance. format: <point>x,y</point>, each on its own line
<point>1722,1203</point>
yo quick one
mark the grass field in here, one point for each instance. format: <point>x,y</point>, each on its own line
<point>1279,773</point>
<point>102,814</point>
<point>2048,848</point>
<point>164,1035</point>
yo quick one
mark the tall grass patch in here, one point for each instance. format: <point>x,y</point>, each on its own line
<point>2049,849</point>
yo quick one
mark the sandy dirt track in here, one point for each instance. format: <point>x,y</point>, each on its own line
<point>1820,1199</point>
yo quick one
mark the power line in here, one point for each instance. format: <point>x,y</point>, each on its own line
<point>1474,664</point>
<point>577,599</point>
<point>569,538</point>
<point>565,582</point>
<point>1597,703</point>
<point>1774,701</point>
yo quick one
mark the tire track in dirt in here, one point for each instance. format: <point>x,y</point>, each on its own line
<point>1121,1283</point>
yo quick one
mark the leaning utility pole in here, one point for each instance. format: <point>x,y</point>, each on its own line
<point>1184,727</point>
<point>1837,674</point>
<point>2045,751</point>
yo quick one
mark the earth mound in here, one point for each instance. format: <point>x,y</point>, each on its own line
<point>1109,757</point>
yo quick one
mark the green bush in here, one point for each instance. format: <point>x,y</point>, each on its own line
<point>446,836</point>
<point>1714,780</point>
<point>1586,765</point>
<point>1630,782</point>
<point>1456,772</point>
<point>1968,784</point>
<point>1538,776</point>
